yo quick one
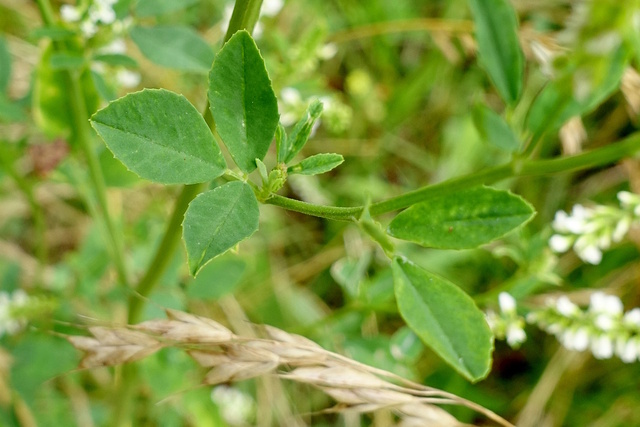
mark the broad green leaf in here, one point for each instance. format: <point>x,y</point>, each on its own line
<point>217,221</point>
<point>217,278</point>
<point>556,102</point>
<point>161,137</point>
<point>117,59</point>
<point>462,220</point>
<point>175,47</point>
<point>300,133</point>
<point>5,66</point>
<point>317,164</point>
<point>242,101</point>
<point>50,101</point>
<point>496,31</point>
<point>146,8</point>
<point>494,130</point>
<point>445,318</point>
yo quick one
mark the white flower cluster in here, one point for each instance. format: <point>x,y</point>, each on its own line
<point>507,324</point>
<point>236,407</point>
<point>603,328</point>
<point>590,230</point>
<point>100,12</point>
<point>11,320</point>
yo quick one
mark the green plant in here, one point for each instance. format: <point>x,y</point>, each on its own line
<point>233,159</point>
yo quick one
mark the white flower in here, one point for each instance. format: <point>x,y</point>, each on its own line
<point>290,96</point>
<point>102,11</point>
<point>235,406</point>
<point>507,303</point>
<point>559,243</point>
<point>69,13</point>
<point>632,317</point>
<point>327,51</point>
<point>566,307</point>
<point>604,322</point>
<point>9,324</point>
<point>515,335</point>
<point>628,352</point>
<point>602,347</point>
<point>127,78</point>
<point>271,7</point>
<point>622,228</point>
<point>88,28</point>
<point>116,46</point>
<point>588,252</point>
<point>603,303</point>
<point>560,222</point>
<point>581,339</point>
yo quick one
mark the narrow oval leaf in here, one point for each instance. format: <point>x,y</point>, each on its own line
<point>176,47</point>
<point>494,130</point>
<point>462,220</point>
<point>317,164</point>
<point>217,221</point>
<point>302,130</point>
<point>496,30</point>
<point>556,103</point>
<point>161,137</point>
<point>242,101</point>
<point>445,318</point>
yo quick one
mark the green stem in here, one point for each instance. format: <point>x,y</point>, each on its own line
<point>164,252</point>
<point>82,134</point>
<point>245,16</point>
<point>594,158</point>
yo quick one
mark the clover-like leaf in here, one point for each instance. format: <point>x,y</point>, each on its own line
<point>242,101</point>
<point>217,221</point>
<point>496,31</point>
<point>445,318</point>
<point>161,137</point>
<point>462,220</point>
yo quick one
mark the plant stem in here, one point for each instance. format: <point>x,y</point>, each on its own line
<point>245,15</point>
<point>518,168</point>
<point>164,252</point>
<point>82,133</point>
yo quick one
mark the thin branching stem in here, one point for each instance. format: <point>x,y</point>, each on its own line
<point>518,168</point>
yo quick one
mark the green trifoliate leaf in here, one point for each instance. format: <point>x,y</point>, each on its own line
<point>218,220</point>
<point>242,101</point>
<point>301,131</point>
<point>494,130</point>
<point>496,31</point>
<point>176,47</point>
<point>462,220</point>
<point>317,164</point>
<point>161,137</point>
<point>445,318</point>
